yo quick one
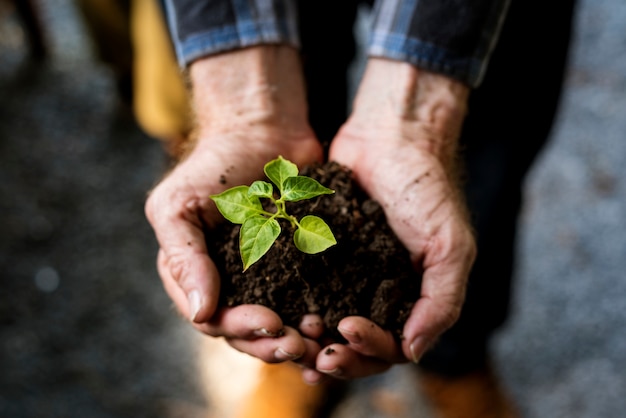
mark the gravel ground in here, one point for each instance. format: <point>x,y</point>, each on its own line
<point>87,331</point>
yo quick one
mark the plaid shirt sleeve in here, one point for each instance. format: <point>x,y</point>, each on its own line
<point>205,27</point>
<point>451,37</point>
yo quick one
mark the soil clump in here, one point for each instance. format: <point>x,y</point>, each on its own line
<point>368,273</point>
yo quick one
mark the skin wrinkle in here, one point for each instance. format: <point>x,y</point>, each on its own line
<point>177,263</point>
<point>428,230</point>
<point>445,253</point>
<point>449,195</point>
<point>194,209</point>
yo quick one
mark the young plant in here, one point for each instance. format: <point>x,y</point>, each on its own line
<point>260,228</point>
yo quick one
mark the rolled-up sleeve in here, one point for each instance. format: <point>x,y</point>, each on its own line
<point>451,37</point>
<point>204,27</point>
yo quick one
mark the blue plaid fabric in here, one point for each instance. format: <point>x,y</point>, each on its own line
<point>451,37</point>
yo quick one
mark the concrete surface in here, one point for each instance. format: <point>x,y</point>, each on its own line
<point>86,330</point>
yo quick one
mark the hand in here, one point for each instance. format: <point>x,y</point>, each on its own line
<point>245,118</point>
<point>400,144</point>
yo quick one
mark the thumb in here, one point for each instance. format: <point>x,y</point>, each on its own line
<point>183,260</point>
<point>192,281</point>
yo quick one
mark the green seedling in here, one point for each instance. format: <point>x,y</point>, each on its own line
<point>260,228</point>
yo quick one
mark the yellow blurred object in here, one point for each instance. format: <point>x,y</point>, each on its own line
<point>475,395</point>
<point>131,36</point>
<point>280,392</point>
<point>108,23</point>
<point>161,101</point>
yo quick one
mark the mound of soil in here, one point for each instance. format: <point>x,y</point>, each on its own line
<point>368,272</point>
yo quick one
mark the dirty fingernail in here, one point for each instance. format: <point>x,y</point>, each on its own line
<point>351,336</point>
<point>263,332</point>
<point>195,304</point>
<point>283,355</point>
<point>417,348</point>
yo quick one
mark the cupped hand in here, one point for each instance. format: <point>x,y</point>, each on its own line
<point>422,204</point>
<point>402,151</point>
<point>181,212</point>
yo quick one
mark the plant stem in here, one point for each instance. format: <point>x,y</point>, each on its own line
<point>281,212</point>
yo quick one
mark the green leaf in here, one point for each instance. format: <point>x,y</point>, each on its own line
<point>301,187</point>
<point>236,205</point>
<point>313,236</point>
<point>280,169</point>
<point>256,236</point>
<point>261,189</point>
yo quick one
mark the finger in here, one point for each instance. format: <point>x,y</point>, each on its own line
<point>443,292</point>
<point>244,322</point>
<point>311,326</point>
<point>311,350</point>
<point>342,362</point>
<point>313,377</point>
<point>428,320</point>
<point>290,346</point>
<point>307,362</point>
<point>183,256</point>
<point>368,339</point>
<point>198,300</point>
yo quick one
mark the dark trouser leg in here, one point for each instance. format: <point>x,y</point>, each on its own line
<point>509,120</point>
<point>328,48</point>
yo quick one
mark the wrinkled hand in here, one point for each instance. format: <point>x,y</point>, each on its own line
<point>250,107</point>
<point>179,210</point>
<point>403,157</point>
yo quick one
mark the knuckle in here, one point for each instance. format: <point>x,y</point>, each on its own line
<point>178,266</point>
<point>166,203</point>
<point>160,206</point>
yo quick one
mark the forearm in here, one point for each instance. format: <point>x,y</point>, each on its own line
<point>249,87</point>
<point>422,107</point>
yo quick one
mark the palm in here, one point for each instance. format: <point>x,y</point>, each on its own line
<point>423,207</point>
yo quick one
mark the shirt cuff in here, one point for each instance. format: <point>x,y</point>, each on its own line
<point>455,39</point>
<point>427,56</point>
<point>197,33</point>
<point>227,38</point>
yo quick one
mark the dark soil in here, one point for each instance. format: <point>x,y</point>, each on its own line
<point>368,273</point>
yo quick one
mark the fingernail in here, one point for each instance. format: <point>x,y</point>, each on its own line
<point>417,348</point>
<point>351,336</point>
<point>262,332</point>
<point>283,355</point>
<point>194,303</point>
<point>337,372</point>
<point>317,381</point>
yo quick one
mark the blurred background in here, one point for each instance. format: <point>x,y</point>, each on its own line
<point>87,331</point>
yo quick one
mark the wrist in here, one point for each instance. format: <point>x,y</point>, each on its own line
<point>425,108</point>
<point>258,86</point>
